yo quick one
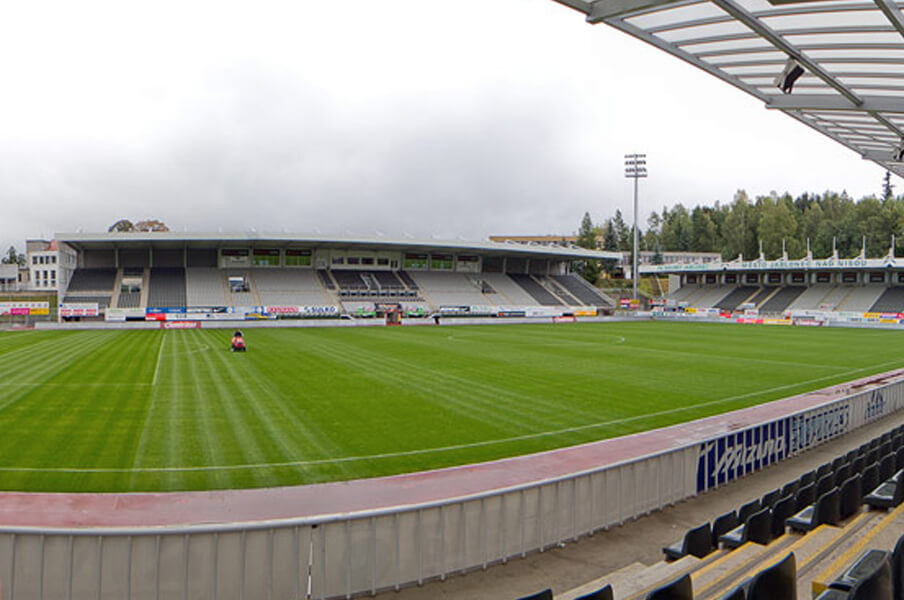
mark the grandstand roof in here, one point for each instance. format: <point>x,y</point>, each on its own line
<point>851,54</point>
<point>263,240</point>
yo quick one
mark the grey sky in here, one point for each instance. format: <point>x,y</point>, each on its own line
<point>453,119</point>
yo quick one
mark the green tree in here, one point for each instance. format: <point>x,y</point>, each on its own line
<point>122,225</point>
<point>13,257</point>
<point>622,233</point>
<point>587,236</point>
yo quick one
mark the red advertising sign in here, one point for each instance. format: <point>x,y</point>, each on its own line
<point>180,325</point>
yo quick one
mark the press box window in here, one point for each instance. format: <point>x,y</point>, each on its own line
<point>298,258</point>
<point>265,258</point>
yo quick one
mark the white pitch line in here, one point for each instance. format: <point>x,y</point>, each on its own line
<point>159,354</point>
<point>346,459</point>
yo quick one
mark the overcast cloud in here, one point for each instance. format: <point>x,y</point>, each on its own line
<point>420,117</point>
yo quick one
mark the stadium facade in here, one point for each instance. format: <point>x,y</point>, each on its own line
<point>844,290</point>
<point>172,276</point>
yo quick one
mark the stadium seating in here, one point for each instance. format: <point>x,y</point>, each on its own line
<point>539,293</point>
<point>697,542</point>
<point>736,297</point>
<point>722,525</point>
<point>604,593</point>
<point>129,299</point>
<point>874,585</point>
<point>891,300</point>
<point>778,582</point>
<point>579,288</point>
<point>205,287</point>
<point>851,497</point>
<point>806,496</point>
<point>680,589</point>
<point>92,280</point>
<point>757,528</point>
<point>782,300</point>
<point>888,495</point>
<point>544,595</point>
<point>748,509</point>
<point>826,510</point>
<point>783,510</point>
<point>506,291</point>
<point>166,287</point>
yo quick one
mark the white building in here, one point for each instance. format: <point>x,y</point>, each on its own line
<point>50,265</point>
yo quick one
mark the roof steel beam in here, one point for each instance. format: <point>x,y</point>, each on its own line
<point>779,42</point>
<point>891,12</point>
<point>578,5</point>
<point>891,104</point>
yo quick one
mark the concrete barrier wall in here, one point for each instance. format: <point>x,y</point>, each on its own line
<point>358,554</point>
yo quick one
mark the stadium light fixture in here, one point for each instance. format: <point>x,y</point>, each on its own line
<point>791,73</point>
<point>635,168</point>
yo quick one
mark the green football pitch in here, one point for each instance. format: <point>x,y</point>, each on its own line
<point>175,410</point>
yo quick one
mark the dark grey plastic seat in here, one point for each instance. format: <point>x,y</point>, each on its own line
<point>757,529</point>
<point>680,589</point>
<point>851,497</point>
<point>886,467</point>
<point>887,495</point>
<point>824,484</point>
<point>865,564</point>
<point>778,582</point>
<point>604,593</point>
<point>544,595</point>
<point>722,525</point>
<point>824,511</point>
<point>748,509</point>
<point>783,510</point>
<point>770,498</point>
<point>869,478</point>
<point>806,496</point>
<point>790,488</point>
<point>697,542</point>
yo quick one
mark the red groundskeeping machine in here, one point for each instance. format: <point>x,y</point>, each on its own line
<point>238,342</point>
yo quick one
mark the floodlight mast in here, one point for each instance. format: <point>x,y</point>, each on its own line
<point>635,168</point>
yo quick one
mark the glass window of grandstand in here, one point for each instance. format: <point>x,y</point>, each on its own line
<point>468,264</point>
<point>900,277</point>
<point>797,278</point>
<point>382,261</point>
<point>353,260</point>
<point>265,258</point>
<point>774,277</point>
<point>337,260</point>
<point>415,261</point>
<point>849,277</point>
<point>731,278</point>
<point>234,256</point>
<point>876,277</point>
<point>298,258</point>
<point>367,260</point>
<point>441,262</point>
<point>752,278</point>
<point>691,279</point>
<point>710,279</point>
<point>823,278</point>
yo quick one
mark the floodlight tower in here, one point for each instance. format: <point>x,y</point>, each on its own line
<point>635,168</point>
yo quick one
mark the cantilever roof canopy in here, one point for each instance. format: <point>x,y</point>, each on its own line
<point>851,54</point>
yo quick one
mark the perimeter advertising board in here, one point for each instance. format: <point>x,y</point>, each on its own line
<point>25,308</point>
<point>738,453</point>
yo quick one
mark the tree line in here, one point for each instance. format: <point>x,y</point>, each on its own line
<point>738,228</point>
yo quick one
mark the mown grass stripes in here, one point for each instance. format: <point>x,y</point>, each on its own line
<point>175,410</point>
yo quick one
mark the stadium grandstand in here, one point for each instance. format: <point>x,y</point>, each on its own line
<point>135,276</point>
<point>856,290</point>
